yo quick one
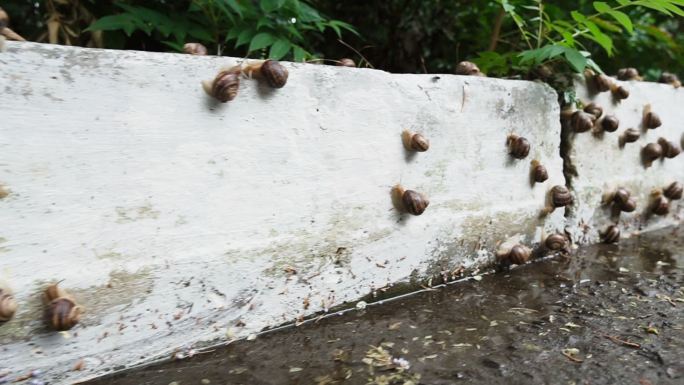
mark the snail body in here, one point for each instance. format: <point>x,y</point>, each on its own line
<point>611,235</point>
<point>346,62</point>
<point>651,120</point>
<point>414,141</point>
<point>411,201</point>
<point>195,49</point>
<point>8,305</point>
<point>61,312</point>
<point>539,172</point>
<point>518,146</point>
<point>225,85</point>
<point>610,123</point>
<point>674,191</point>
<point>628,74</point>
<point>468,68</point>
<point>581,121</point>
<point>651,152</point>
<point>556,242</point>
<point>670,150</point>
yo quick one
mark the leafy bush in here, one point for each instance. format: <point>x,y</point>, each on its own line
<point>285,28</point>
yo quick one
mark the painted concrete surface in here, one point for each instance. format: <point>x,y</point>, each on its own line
<point>176,221</point>
<point>600,164</point>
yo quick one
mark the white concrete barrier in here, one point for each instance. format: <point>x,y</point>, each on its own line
<point>599,163</point>
<point>174,219</point>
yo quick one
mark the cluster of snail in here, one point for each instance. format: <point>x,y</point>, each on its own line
<point>61,310</point>
<point>226,84</point>
<point>411,201</point>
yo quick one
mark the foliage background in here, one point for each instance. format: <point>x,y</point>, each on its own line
<point>412,36</point>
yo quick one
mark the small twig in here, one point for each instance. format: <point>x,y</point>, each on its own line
<point>497,30</point>
<point>357,52</point>
<point>464,97</point>
<point>571,358</point>
<point>623,342</point>
<point>422,62</point>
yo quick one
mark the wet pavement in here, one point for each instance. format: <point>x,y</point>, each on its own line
<point>607,315</point>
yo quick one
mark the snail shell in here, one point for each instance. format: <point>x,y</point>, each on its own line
<point>670,150</point>
<point>468,68</point>
<point>660,206</point>
<point>8,306</point>
<point>346,62</point>
<point>628,74</point>
<point>602,82</point>
<point>518,146</point>
<point>651,152</point>
<point>674,191</point>
<point>63,313</point>
<point>225,85</point>
<point>619,92</point>
<point>621,196</point>
<point>519,254</point>
<point>414,202</point>
<point>612,234</point>
<point>556,242</point>
<point>195,49</point>
<point>415,142</point>
<point>274,73</point>
<point>560,196</point>
<point>629,206</point>
<point>630,135</point>
<point>582,121</point>
<point>540,174</point>
<point>652,120</point>
<point>610,123</point>
<point>594,109</point>
<point>670,78</point>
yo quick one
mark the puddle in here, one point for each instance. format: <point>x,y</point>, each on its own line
<point>608,315</point>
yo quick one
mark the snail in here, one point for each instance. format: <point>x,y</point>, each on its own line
<point>628,74</point>
<point>539,173</point>
<point>674,191</point>
<point>581,121</point>
<point>518,254</point>
<point>650,119</point>
<point>594,109</point>
<point>272,71</point>
<point>623,200</point>
<point>671,79</point>
<point>660,204</point>
<point>619,92</point>
<point>602,82</point>
<point>560,196</point>
<point>556,242</point>
<point>611,235</point>
<point>414,141</point>
<point>610,123</point>
<point>225,85</point>
<point>630,135</point>
<point>468,68</point>
<point>670,150</point>
<point>518,146</point>
<point>650,153</point>
<point>346,62</point>
<point>8,306</point>
<point>4,192</point>
<point>195,49</point>
<point>62,311</point>
<point>411,201</point>
<point>5,31</point>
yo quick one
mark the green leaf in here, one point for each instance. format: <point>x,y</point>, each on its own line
<point>568,38</point>
<point>299,53</point>
<point>261,40</point>
<point>279,49</point>
<point>244,37</point>
<point>271,5</point>
<point>653,5</point>
<point>232,4</point>
<point>601,7</point>
<point>600,37</point>
<point>575,59</point>
<point>578,17</point>
<point>624,2</point>
<point>113,22</point>
<point>623,19</point>
<point>199,32</point>
<point>174,45</point>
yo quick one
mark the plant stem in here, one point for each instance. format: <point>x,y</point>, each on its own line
<point>497,30</point>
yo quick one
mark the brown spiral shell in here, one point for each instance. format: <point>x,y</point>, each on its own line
<point>468,68</point>
<point>346,62</point>
<point>225,86</point>
<point>631,135</point>
<point>670,78</point>
<point>414,202</point>
<point>602,82</point>
<point>660,206</point>
<point>195,49</point>
<point>556,242</point>
<point>593,109</point>
<point>674,191</point>
<point>518,146</point>
<point>620,92</point>
<point>540,174</point>
<point>652,120</point>
<point>610,123</point>
<point>628,74</point>
<point>519,254</point>
<point>582,121</point>
<point>274,73</point>
<point>63,313</point>
<point>670,150</point>
<point>629,206</point>
<point>419,143</point>
<point>561,196</point>
<point>651,152</point>
<point>612,234</point>
<point>621,195</point>
<point>8,306</point>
